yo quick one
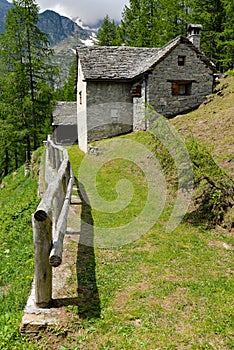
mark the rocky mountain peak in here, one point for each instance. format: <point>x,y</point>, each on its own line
<point>59,27</point>
<point>64,35</point>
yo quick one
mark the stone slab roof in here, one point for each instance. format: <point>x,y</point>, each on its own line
<point>124,62</point>
<point>65,113</point>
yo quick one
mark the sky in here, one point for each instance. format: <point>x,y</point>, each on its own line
<point>90,11</point>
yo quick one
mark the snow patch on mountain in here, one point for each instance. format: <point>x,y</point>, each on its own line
<point>80,23</point>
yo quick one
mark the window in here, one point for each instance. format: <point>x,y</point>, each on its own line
<point>196,31</point>
<point>114,116</point>
<point>181,88</point>
<point>80,94</point>
<point>181,60</point>
<point>136,91</point>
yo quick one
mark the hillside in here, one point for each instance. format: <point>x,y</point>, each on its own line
<point>213,124</point>
<point>153,290</point>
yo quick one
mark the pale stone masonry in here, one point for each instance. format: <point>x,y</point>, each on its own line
<point>115,84</point>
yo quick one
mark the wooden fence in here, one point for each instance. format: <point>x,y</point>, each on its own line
<point>50,222</point>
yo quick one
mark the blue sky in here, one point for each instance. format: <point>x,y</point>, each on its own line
<point>90,11</point>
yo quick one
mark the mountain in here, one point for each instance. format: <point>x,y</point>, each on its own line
<point>64,35</point>
<point>59,27</point>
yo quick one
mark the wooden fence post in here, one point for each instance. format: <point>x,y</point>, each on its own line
<point>42,230</point>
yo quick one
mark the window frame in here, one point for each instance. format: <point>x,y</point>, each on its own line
<point>176,85</point>
<point>181,60</point>
<point>136,91</point>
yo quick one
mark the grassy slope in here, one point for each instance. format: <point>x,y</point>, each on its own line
<point>212,124</point>
<point>18,200</point>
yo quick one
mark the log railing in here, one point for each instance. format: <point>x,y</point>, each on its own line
<point>50,222</point>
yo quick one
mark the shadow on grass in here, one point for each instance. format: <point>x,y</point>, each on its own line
<point>88,296</point>
<point>87,300</point>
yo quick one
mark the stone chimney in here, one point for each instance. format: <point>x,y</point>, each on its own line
<point>194,34</point>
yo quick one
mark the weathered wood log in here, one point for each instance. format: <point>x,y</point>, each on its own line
<point>60,229</point>
<point>57,159</point>
<point>42,231</point>
<point>46,203</point>
<point>52,160</point>
<point>58,201</point>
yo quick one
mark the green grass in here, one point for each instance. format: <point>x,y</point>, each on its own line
<point>18,200</point>
<point>162,291</point>
<point>165,292</point>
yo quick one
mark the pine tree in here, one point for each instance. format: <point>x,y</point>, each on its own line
<point>68,92</point>
<point>217,17</point>
<point>108,34</point>
<point>226,42</point>
<point>152,23</point>
<point>26,73</point>
<point>12,133</point>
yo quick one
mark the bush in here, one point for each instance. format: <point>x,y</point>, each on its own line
<point>213,189</point>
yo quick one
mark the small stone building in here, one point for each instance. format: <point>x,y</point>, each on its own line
<point>115,84</point>
<point>65,123</point>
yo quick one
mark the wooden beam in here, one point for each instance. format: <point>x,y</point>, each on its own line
<point>60,229</point>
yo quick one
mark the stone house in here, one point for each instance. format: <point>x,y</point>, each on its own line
<point>115,84</point>
<point>65,123</point>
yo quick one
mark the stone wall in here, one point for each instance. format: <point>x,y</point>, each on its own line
<point>109,109</point>
<point>160,82</point>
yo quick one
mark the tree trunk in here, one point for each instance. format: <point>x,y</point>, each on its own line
<point>6,167</point>
<point>28,152</point>
<point>16,160</point>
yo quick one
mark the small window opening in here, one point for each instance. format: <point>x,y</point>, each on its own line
<point>80,94</point>
<point>136,91</point>
<point>181,88</point>
<point>181,60</point>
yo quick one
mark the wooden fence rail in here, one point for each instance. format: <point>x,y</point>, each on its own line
<point>50,222</point>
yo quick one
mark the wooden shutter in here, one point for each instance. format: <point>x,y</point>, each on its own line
<point>175,89</point>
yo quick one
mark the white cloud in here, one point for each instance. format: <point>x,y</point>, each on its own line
<point>90,11</point>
